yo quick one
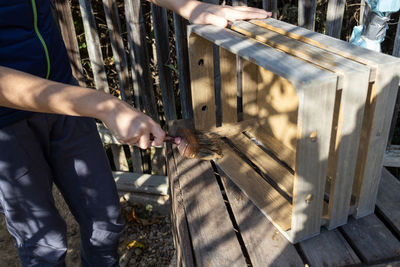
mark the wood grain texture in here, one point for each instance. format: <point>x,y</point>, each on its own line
<point>265,245</point>
<point>334,17</point>
<point>312,54</point>
<point>384,72</point>
<point>117,45</point>
<point>311,158</point>
<point>356,53</point>
<point>372,240</point>
<point>388,200</point>
<point>138,46</point>
<point>396,46</point>
<point>93,46</point>
<point>160,24</point>
<point>263,195</point>
<point>143,83</point>
<point>249,89</point>
<point>228,86</point>
<point>306,13</point>
<point>392,157</point>
<point>273,145</point>
<point>277,105</point>
<point>329,248</point>
<point>352,102</point>
<point>182,59</point>
<point>268,165</point>
<point>386,93</point>
<point>202,82</point>
<point>290,68</point>
<point>213,237</point>
<point>119,158</point>
<point>180,229</point>
<point>141,183</point>
<point>67,28</point>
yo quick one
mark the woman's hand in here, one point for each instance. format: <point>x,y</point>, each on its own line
<point>204,13</point>
<point>133,127</point>
<point>220,15</point>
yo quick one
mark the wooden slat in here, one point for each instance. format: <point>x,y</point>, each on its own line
<point>93,46</point>
<point>213,238</point>
<point>278,149</point>
<point>160,24</point>
<point>137,41</point>
<point>329,249</point>
<point>119,55</point>
<point>137,163</point>
<point>362,10</point>
<point>271,5</point>
<point>267,249</point>
<point>268,58</point>
<point>372,240</point>
<point>119,158</point>
<point>202,82</point>
<point>249,89</point>
<point>264,196</point>
<point>182,59</point>
<point>345,49</point>
<point>180,229</point>
<point>385,89</point>
<point>277,105</point>
<point>228,86</point>
<point>311,154</point>
<point>68,33</point>
<point>392,157</point>
<point>268,165</point>
<point>388,200</point>
<point>396,47</point>
<point>334,17</point>
<point>306,13</point>
<point>141,183</point>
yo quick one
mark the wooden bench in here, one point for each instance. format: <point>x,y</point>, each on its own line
<point>215,224</point>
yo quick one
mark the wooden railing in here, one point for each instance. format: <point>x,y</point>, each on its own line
<point>146,53</point>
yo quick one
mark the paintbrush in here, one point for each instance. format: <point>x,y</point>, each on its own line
<point>196,144</point>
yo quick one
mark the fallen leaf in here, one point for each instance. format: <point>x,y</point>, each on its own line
<point>134,244</point>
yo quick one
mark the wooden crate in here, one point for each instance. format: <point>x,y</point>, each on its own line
<point>379,106</point>
<point>296,159</point>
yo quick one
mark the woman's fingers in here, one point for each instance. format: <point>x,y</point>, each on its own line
<point>220,15</point>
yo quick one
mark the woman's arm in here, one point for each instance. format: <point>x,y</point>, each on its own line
<point>23,91</point>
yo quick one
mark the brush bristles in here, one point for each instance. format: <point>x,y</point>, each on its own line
<point>209,146</point>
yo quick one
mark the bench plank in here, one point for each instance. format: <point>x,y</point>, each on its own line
<point>267,249</point>
<point>180,229</point>
<point>372,240</point>
<point>264,196</point>
<point>329,249</point>
<point>211,230</point>
<point>388,201</point>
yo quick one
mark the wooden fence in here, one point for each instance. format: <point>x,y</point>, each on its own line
<point>138,52</point>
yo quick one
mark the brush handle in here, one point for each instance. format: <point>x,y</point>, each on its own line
<point>169,139</point>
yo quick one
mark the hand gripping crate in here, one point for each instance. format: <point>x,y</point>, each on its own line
<point>301,107</point>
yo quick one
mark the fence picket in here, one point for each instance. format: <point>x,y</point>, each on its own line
<point>67,28</point>
<point>93,46</point>
<point>182,60</point>
<point>334,17</point>
<point>163,58</point>
<point>306,14</point>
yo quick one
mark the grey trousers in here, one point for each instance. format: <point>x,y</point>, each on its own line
<point>46,149</point>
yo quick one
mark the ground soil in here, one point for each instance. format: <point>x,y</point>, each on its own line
<point>146,240</point>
